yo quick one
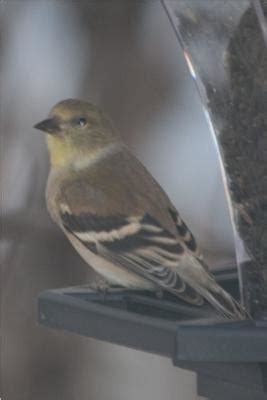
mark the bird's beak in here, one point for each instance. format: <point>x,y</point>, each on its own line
<point>50,125</point>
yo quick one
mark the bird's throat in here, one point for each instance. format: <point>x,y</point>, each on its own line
<point>61,153</point>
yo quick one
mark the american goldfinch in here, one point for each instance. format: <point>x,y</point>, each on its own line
<point>117,216</point>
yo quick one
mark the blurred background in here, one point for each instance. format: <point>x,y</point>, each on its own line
<point>124,56</point>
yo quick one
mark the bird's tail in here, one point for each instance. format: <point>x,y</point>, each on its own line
<point>223,302</point>
<point>205,284</point>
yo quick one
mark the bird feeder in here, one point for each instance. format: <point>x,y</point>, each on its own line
<point>225,48</point>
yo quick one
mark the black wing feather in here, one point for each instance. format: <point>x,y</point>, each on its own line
<point>151,251</point>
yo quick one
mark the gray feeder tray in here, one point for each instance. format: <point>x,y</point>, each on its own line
<point>229,357</point>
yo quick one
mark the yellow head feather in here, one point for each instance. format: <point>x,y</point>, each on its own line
<point>61,152</point>
<point>78,132</point>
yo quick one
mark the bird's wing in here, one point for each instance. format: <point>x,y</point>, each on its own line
<point>185,235</point>
<point>131,222</point>
<point>139,244</point>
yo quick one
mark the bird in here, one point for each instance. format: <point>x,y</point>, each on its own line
<point>117,216</point>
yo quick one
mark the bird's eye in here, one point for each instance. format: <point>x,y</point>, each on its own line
<point>82,121</point>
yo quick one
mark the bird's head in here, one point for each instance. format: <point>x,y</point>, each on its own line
<point>76,129</point>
